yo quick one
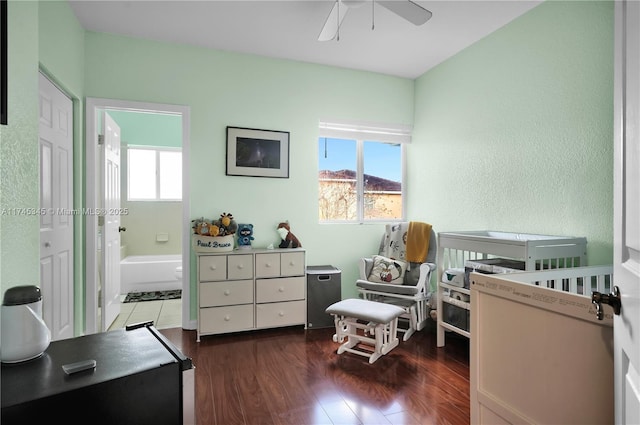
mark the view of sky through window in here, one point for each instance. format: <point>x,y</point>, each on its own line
<point>341,155</point>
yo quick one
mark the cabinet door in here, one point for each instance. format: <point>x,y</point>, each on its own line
<point>283,289</point>
<point>240,266</point>
<point>268,265</point>
<point>213,267</point>
<point>292,264</point>
<point>213,294</point>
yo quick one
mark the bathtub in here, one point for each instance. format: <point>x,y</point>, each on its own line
<point>150,273</point>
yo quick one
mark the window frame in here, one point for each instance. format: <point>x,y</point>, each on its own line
<point>372,133</point>
<point>157,150</point>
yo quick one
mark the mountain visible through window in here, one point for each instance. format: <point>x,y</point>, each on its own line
<point>359,180</point>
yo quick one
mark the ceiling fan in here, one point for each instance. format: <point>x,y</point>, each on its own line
<point>406,9</point>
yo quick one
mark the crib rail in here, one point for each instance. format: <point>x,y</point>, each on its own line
<point>455,258</point>
<point>578,280</point>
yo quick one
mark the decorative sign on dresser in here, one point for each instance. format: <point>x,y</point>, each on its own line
<point>251,289</point>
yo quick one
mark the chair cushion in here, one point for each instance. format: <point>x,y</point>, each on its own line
<point>388,288</point>
<point>387,270</point>
<point>366,310</point>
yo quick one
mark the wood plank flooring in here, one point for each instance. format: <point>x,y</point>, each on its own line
<point>294,376</point>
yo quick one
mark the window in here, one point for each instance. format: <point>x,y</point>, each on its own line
<point>360,177</point>
<point>154,174</point>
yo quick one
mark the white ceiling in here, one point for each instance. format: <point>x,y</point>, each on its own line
<point>290,29</point>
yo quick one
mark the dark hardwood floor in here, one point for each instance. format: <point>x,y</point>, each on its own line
<point>294,376</point>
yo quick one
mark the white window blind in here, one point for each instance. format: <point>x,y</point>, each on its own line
<point>395,133</point>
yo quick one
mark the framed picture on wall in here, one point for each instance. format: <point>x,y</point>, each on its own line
<point>257,153</point>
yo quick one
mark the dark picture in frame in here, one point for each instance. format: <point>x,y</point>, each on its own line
<point>257,153</point>
<point>3,62</point>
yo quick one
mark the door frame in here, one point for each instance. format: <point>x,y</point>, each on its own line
<point>91,203</point>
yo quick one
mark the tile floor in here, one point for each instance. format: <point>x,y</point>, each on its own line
<point>165,314</point>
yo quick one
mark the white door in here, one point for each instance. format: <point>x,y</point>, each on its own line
<point>56,208</point>
<point>110,221</point>
<point>626,256</point>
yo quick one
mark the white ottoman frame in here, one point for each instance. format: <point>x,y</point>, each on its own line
<point>370,317</point>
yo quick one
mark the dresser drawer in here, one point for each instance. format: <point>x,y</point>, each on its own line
<point>226,319</point>
<point>268,265</point>
<point>292,264</point>
<point>240,266</point>
<point>280,289</point>
<point>280,314</point>
<point>213,267</point>
<point>214,294</point>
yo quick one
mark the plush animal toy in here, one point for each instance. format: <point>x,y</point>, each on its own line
<point>225,219</point>
<point>201,226</point>
<point>289,240</point>
<point>226,224</point>
<point>214,230</point>
<point>245,235</point>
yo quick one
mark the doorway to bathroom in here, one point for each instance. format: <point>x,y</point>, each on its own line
<point>153,203</point>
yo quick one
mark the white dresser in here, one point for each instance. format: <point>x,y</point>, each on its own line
<point>251,289</point>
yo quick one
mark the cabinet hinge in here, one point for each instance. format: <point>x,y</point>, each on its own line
<point>101,139</point>
<point>100,220</point>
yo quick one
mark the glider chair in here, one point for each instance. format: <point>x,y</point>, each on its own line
<point>401,272</point>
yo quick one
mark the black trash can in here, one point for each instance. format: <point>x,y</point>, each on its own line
<point>323,289</point>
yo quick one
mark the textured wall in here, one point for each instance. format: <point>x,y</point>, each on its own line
<point>19,229</point>
<point>515,133</point>
<point>48,35</point>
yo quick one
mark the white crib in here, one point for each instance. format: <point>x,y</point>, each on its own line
<point>537,252</point>
<point>539,354</point>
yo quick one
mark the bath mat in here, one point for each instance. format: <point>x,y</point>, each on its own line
<point>134,297</point>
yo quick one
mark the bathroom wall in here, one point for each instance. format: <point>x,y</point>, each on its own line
<point>145,220</point>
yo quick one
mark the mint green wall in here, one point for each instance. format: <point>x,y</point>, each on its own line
<point>142,128</point>
<point>20,234</point>
<point>515,133</point>
<point>47,36</point>
<point>227,89</point>
<point>61,56</point>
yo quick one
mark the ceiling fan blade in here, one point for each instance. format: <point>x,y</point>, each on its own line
<point>409,10</point>
<point>331,26</point>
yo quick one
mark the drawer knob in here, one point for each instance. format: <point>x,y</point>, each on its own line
<point>212,267</point>
<point>292,263</point>
<point>227,292</point>
<point>281,289</point>
<point>268,265</point>
<point>240,266</point>
<point>281,314</point>
<point>227,318</point>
